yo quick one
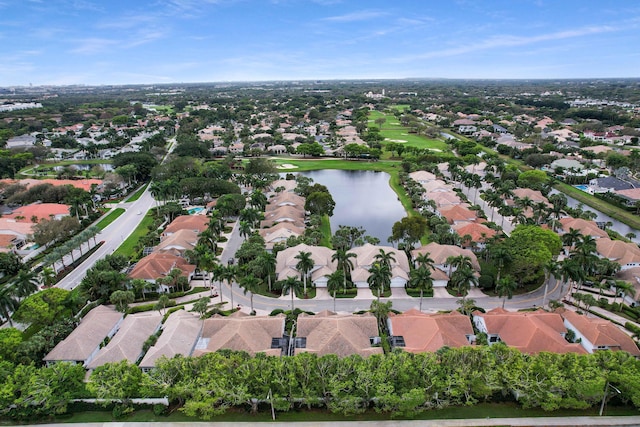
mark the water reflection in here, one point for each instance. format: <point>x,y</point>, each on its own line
<point>363,198</point>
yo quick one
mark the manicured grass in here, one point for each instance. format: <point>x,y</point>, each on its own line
<point>112,216</point>
<point>613,211</point>
<point>393,131</point>
<point>167,109</point>
<point>311,164</point>
<point>137,194</point>
<point>325,228</point>
<point>127,248</point>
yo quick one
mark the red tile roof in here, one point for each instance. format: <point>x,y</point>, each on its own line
<point>430,332</point>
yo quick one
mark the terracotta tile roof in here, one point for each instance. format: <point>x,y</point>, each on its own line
<point>13,227</point>
<point>601,332</point>
<point>127,343</point>
<point>241,332</point>
<point>478,232</point>
<point>458,213</point>
<point>443,199</point>
<point>618,251</point>
<point>157,265</point>
<point>436,185</point>
<point>430,332</point>
<point>178,242</point>
<point>287,184</point>
<point>530,332</point>
<point>84,184</point>
<point>86,338</point>
<point>534,195</point>
<point>196,223</point>
<point>39,210</point>
<point>285,199</point>
<point>586,228</point>
<point>365,258</point>
<point>342,335</point>
<point>422,176</point>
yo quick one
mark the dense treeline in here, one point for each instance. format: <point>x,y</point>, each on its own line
<point>398,383</point>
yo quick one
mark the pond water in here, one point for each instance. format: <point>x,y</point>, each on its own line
<point>617,226</point>
<point>363,198</point>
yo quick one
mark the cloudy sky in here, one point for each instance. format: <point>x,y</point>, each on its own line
<point>165,41</point>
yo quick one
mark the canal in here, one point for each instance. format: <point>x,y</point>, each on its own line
<point>363,198</point>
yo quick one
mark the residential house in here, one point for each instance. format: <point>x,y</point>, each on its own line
<point>530,332</point>
<point>242,332</point>
<point>474,235</point>
<point>158,265</point>
<point>418,332</point>
<point>285,199</point>
<point>608,184</point>
<point>280,232</point>
<point>195,223</point>
<point>595,334</point>
<point>39,211</point>
<point>630,196</point>
<point>623,253</point>
<point>457,214</point>
<point>323,265</point>
<point>343,335</point>
<point>422,177</point>
<point>282,185</point>
<point>83,344</point>
<point>180,333</point>
<point>128,342</point>
<point>440,254</point>
<point>290,214</point>
<point>366,257</point>
<point>586,228</point>
<point>179,242</point>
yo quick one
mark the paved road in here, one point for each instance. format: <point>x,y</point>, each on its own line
<point>113,236</point>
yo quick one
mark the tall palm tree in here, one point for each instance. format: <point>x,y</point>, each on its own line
<point>457,262</point>
<point>267,266</point>
<point>230,274</point>
<point>304,266</point>
<point>334,282</point>
<point>292,285</point>
<point>342,258</point>
<point>250,283</point>
<point>501,256</point>
<point>245,229</point>
<point>571,238</point>
<point>421,279</point>
<point>217,274</point>
<point>8,302</point>
<point>571,271</point>
<point>379,278</point>
<point>505,288</point>
<point>624,288</point>
<point>425,260</point>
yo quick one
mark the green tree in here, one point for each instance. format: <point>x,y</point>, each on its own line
<point>10,340</point>
<point>250,283</point>
<point>334,283</point>
<point>343,263</point>
<point>25,283</point>
<point>201,306</point>
<point>379,279</point>
<point>43,308</point>
<point>320,203</point>
<point>116,382</point>
<point>409,229</point>
<point>122,299</point>
<point>8,302</point>
<point>163,302</point>
<point>292,285</point>
<point>421,279</point>
<point>505,288</point>
<point>304,266</point>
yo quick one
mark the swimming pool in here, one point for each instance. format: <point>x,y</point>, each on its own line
<point>193,211</point>
<point>582,187</point>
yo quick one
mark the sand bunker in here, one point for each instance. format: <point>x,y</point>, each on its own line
<point>287,166</point>
<point>395,140</point>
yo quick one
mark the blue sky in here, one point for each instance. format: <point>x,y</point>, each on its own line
<point>165,41</point>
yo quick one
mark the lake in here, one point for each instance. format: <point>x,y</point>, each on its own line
<point>363,198</point>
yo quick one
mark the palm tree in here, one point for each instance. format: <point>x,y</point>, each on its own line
<point>457,262</point>
<point>217,274</point>
<point>421,279</point>
<point>47,276</point>
<point>462,279</point>
<point>505,288</point>
<point>385,258</point>
<point>292,285</point>
<point>304,266</point>
<point>550,269</point>
<point>501,256</point>
<point>267,265</point>
<point>571,271</point>
<point>25,283</point>
<point>466,305</point>
<point>8,302</point>
<point>571,237</point>
<point>341,256</point>
<point>379,278</point>
<point>334,282</point>
<point>201,306</point>
<point>230,274</point>
<point>250,283</point>
<point>424,260</point>
<point>245,229</point>
<point>624,288</point>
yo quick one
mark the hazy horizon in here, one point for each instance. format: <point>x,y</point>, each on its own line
<point>69,42</point>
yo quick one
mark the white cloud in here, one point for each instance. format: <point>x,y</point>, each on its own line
<point>93,46</point>
<point>363,15</point>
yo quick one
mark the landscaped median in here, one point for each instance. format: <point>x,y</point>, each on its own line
<point>137,194</point>
<point>128,247</point>
<point>111,216</point>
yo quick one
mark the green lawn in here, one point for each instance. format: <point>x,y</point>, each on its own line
<point>112,216</point>
<point>325,227</point>
<point>137,194</point>
<point>302,165</point>
<point>127,248</point>
<point>393,131</point>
